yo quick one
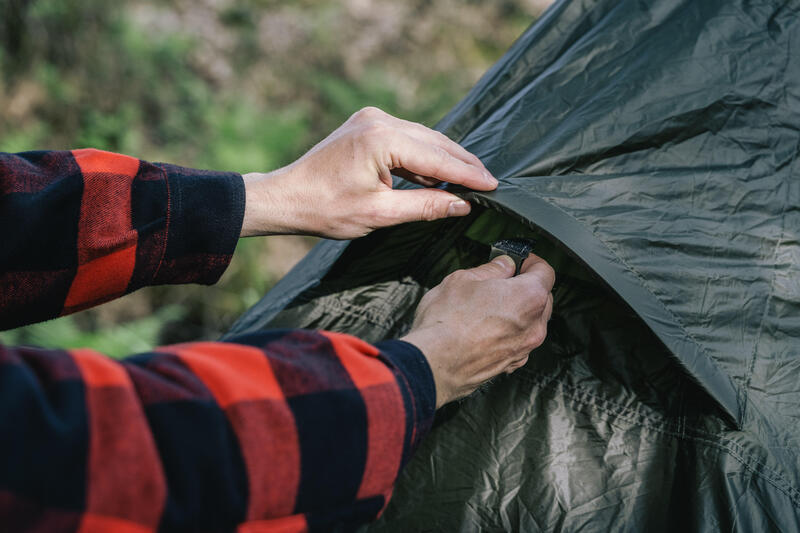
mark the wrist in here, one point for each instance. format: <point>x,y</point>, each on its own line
<point>266,210</point>
<point>428,343</point>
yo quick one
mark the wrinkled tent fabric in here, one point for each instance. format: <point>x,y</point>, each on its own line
<point>651,148</point>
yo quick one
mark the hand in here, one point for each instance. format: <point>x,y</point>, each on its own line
<point>480,322</point>
<point>342,188</point>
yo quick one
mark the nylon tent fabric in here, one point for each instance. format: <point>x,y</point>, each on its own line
<point>651,147</point>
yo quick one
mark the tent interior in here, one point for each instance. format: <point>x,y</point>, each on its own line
<point>612,380</point>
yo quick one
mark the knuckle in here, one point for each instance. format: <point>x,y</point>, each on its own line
<point>442,137</point>
<point>522,324</point>
<point>372,136</point>
<point>544,272</point>
<point>516,365</point>
<point>440,158</point>
<point>458,278</point>
<point>432,294</point>
<point>430,210</point>
<point>495,269</point>
<point>535,294</point>
<point>366,114</point>
<point>426,299</point>
<point>540,295</point>
<point>441,154</point>
<point>455,276</point>
<point>537,337</point>
<point>550,274</point>
<point>440,161</point>
<point>374,130</point>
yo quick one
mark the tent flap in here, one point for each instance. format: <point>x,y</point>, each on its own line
<point>650,147</point>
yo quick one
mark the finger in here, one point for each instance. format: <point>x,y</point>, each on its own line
<point>398,206</point>
<point>534,267</point>
<point>501,267</point>
<point>548,308</point>
<point>432,161</point>
<point>516,365</point>
<point>501,366</point>
<point>415,178</point>
<point>426,134</point>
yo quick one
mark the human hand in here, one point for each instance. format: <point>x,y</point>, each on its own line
<point>342,188</point>
<point>481,322</point>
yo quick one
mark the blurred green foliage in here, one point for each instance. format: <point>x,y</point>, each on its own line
<point>242,85</point>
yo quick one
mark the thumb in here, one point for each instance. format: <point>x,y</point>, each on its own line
<point>422,204</point>
<point>501,267</point>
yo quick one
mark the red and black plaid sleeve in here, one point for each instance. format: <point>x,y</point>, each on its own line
<point>278,432</point>
<point>274,432</point>
<point>83,227</point>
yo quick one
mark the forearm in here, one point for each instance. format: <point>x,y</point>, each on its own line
<point>295,426</point>
<point>86,226</point>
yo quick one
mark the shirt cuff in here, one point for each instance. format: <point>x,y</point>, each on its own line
<point>419,390</point>
<point>205,210</point>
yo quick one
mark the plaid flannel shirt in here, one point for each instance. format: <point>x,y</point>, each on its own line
<point>279,431</point>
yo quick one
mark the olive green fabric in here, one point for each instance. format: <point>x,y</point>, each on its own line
<point>651,148</point>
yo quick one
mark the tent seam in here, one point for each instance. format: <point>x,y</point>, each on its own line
<point>753,356</point>
<point>644,284</point>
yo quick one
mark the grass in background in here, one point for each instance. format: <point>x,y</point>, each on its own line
<point>241,85</point>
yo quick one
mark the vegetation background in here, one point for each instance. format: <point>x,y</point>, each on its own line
<point>241,85</point>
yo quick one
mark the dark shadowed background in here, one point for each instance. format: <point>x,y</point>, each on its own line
<point>241,85</point>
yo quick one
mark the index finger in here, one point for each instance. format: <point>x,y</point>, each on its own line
<point>535,266</point>
<point>433,161</point>
<point>441,140</point>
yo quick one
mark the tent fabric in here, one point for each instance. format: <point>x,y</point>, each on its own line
<point>651,149</point>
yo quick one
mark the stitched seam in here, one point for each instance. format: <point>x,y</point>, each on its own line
<point>752,365</point>
<point>413,402</point>
<point>753,356</point>
<point>166,225</point>
<point>644,285</point>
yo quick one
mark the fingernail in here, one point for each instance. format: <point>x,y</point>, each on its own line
<point>458,208</point>
<point>490,180</point>
<point>505,261</point>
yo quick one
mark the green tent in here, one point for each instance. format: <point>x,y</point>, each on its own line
<point>651,148</point>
